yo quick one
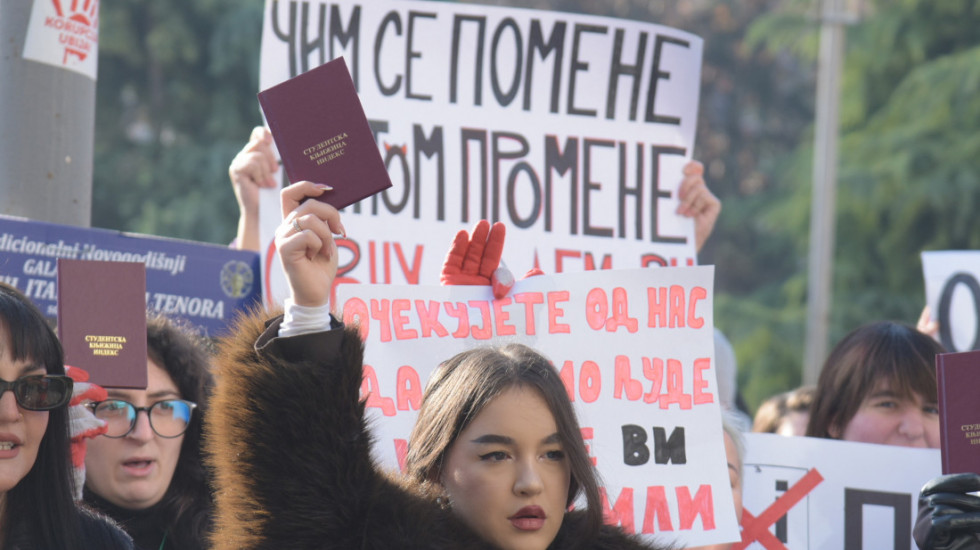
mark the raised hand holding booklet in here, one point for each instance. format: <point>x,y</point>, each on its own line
<point>102,320</point>
<point>320,129</point>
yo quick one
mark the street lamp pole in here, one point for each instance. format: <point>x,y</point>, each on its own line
<point>822,211</point>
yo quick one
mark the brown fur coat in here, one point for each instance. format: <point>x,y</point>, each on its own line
<point>291,456</point>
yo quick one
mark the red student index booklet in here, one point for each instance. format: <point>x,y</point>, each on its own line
<point>320,129</point>
<point>957,377</point>
<point>102,320</point>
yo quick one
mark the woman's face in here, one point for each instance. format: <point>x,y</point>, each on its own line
<point>507,475</point>
<point>135,471</point>
<point>886,418</point>
<point>21,430</point>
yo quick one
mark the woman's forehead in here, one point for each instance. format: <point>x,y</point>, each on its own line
<point>897,387</point>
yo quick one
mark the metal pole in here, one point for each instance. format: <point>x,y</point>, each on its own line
<point>822,211</point>
<point>47,125</point>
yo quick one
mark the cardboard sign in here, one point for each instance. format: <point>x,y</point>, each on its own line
<point>804,493</point>
<point>571,129</point>
<point>635,349</point>
<point>952,280</point>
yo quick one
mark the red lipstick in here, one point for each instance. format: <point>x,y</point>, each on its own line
<point>528,518</point>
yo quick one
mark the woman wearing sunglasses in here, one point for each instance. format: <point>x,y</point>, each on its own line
<point>36,505</point>
<point>146,472</point>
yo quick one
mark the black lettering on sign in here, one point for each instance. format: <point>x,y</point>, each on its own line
<point>854,502</point>
<point>665,449</point>
<point>635,451</point>
<point>669,449</point>
<point>946,303</point>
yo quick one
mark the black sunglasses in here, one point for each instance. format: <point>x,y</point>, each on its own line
<point>42,392</point>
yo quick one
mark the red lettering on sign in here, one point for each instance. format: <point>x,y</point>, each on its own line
<point>590,382</point>
<point>411,273</point>
<point>409,389</point>
<point>667,309</point>
<point>653,370</point>
<point>555,313</point>
<point>429,319</point>
<point>399,319</point>
<point>460,312</point>
<point>561,254</point>
<point>624,381</point>
<point>620,513</point>
<point>656,508</point>
<point>500,318</point>
<point>675,387</point>
<point>690,508</point>
<point>371,393</point>
<point>379,312</point>
<point>701,397</point>
<point>587,435</point>
<point>486,331</point>
<point>529,299</point>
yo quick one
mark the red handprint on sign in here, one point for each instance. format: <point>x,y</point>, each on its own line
<point>78,26</point>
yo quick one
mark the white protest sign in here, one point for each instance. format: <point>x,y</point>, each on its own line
<point>635,349</point>
<point>804,493</point>
<point>953,296</point>
<point>64,33</point>
<point>571,129</point>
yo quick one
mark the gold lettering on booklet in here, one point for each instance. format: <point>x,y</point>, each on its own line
<point>105,345</point>
<point>328,149</point>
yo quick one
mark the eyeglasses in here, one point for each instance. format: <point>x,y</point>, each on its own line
<point>168,418</point>
<point>42,392</point>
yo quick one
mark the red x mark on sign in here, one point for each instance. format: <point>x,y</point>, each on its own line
<point>757,528</point>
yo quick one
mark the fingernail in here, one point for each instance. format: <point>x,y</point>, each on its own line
<point>343,231</point>
<point>323,186</point>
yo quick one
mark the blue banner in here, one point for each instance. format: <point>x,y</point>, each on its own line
<point>203,283</point>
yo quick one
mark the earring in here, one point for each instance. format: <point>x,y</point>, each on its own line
<point>444,502</point>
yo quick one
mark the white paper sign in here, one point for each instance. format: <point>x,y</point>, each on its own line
<point>635,349</point>
<point>64,33</point>
<point>571,129</point>
<point>803,493</point>
<point>953,295</point>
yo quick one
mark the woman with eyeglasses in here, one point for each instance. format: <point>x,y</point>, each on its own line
<point>37,509</point>
<point>146,472</point>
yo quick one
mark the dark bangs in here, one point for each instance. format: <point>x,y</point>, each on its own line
<point>29,337</point>
<point>904,359</point>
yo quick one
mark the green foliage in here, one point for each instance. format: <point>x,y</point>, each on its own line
<point>908,173</point>
<point>175,102</point>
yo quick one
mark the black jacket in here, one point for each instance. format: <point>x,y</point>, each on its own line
<point>96,532</point>
<point>291,453</point>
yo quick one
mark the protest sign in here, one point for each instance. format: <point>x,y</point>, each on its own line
<point>203,283</point>
<point>635,349</point>
<point>571,129</point>
<point>953,296</point>
<point>64,34</point>
<point>804,493</point>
